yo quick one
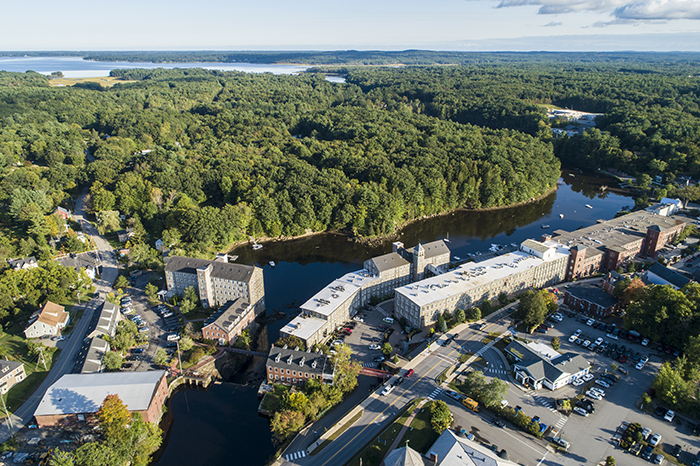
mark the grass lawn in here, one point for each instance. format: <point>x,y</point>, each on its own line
<point>502,343</point>
<point>422,435</point>
<point>491,336</point>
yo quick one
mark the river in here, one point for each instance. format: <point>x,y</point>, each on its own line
<point>220,419</point>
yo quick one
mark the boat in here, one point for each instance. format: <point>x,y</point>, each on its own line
<point>571,174</point>
<point>257,247</point>
<point>545,226</point>
<point>588,206</point>
<point>272,264</point>
<point>457,258</point>
<point>561,215</point>
<point>447,240</point>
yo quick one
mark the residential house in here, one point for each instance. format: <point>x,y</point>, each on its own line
<point>24,264</point>
<point>293,367</point>
<point>11,373</point>
<point>124,235</point>
<point>47,321</point>
<point>65,214</point>
<point>79,396</point>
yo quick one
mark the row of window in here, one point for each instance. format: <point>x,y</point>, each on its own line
<point>294,373</point>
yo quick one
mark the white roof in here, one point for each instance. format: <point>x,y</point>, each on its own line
<point>84,393</point>
<point>303,327</point>
<point>475,274</point>
<point>337,292</point>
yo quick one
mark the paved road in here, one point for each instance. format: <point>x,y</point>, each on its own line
<point>381,411</point>
<point>70,346</point>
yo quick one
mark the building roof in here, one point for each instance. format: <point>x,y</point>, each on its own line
<point>452,450</point>
<point>621,231</point>
<point>591,294</point>
<point>22,263</point>
<point>474,275</point>
<point>436,248</point>
<point>668,275</point>
<point>104,322</point>
<point>405,456</point>
<point>225,270</point>
<point>303,326</point>
<point>536,245</point>
<point>51,314</point>
<point>287,358</point>
<point>330,297</point>
<point>8,366</point>
<point>84,393</point>
<point>230,313</point>
<point>94,355</point>
<point>388,261</point>
<point>540,367</point>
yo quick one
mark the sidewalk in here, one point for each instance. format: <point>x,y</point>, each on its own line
<point>405,427</point>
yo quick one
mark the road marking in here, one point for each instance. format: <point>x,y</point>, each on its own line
<point>543,457</point>
<point>296,455</point>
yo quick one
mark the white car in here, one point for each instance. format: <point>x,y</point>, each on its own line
<point>586,343</point>
<point>577,332</point>
<point>599,341</point>
<point>639,366</point>
<point>644,359</point>
<point>388,320</point>
<point>173,337</point>
<point>588,377</point>
<point>602,383</point>
<point>590,322</point>
<point>387,390</point>
<point>611,336</point>
<point>594,395</point>
<point>577,382</point>
<point>580,411</point>
<point>374,347</point>
<point>572,338</point>
<point>669,416</point>
<point>597,390</point>
<point>646,433</point>
<point>645,342</point>
<point>655,439</point>
<point>337,343</point>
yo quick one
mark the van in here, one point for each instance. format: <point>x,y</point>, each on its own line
<point>471,404</point>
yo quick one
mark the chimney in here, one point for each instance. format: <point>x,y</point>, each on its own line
<point>433,457</point>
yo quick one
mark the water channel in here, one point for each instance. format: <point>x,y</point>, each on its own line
<point>221,423</point>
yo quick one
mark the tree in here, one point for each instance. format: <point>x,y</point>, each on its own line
<point>440,416</point>
<point>566,405</point>
<point>286,423</point>
<point>243,340</point>
<point>112,360</point>
<point>646,399</point>
<point>460,316</point>
<point>486,307</point>
<point>121,282</point>
<point>610,461</point>
<point>186,344</point>
<point>556,343</point>
<point>161,357</point>
<point>473,314</point>
<point>533,308</point>
<point>296,401</point>
<point>387,349</point>
<point>670,387</point>
<point>493,392</point>
<point>171,238</point>
<point>346,371</point>
<point>151,291</point>
<point>114,417</point>
<point>187,306</point>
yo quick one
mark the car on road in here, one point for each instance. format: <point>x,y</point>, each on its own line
<point>387,390</point>
<point>669,416</point>
<point>58,338</point>
<point>374,347</point>
<point>498,423</point>
<point>454,395</point>
<point>409,373</point>
<point>639,366</point>
<point>388,320</point>
<point>580,411</point>
<point>379,359</point>
<point>602,383</point>
<point>655,439</point>
<point>483,326</point>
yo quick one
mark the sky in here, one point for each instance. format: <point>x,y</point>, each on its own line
<point>577,25</point>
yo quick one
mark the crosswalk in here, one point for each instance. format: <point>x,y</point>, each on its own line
<point>382,311</point>
<point>560,423</point>
<point>369,365</point>
<point>497,371</point>
<point>435,393</point>
<point>296,455</point>
<point>547,404</point>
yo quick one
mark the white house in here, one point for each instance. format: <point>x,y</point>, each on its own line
<point>534,369</point>
<point>48,320</point>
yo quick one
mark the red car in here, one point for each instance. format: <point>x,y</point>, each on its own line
<point>409,373</point>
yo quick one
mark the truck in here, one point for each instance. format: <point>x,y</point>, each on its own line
<point>471,404</point>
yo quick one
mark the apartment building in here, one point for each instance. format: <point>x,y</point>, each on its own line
<point>217,281</point>
<point>534,265</point>
<point>229,322</point>
<point>294,367</point>
<point>11,373</point>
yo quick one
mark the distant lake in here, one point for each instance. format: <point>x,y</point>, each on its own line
<point>76,67</point>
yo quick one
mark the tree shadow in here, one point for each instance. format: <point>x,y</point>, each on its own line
<point>66,401</point>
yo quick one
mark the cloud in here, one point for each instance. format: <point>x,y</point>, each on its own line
<point>552,24</point>
<point>622,11</point>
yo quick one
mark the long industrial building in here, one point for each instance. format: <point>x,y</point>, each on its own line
<point>534,265</point>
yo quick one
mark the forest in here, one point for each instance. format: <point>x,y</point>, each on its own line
<point>205,158</point>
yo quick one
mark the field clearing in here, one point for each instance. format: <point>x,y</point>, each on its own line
<point>104,81</point>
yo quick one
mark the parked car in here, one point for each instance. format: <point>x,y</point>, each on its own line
<point>611,336</point>
<point>374,347</point>
<point>498,423</point>
<point>647,452</point>
<point>597,390</point>
<point>639,366</point>
<point>388,320</point>
<point>602,383</point>
<point>677,450</point>
<point>623,370</point>
<point>577,332</point>
<point>586,343</point>
<point>644,359</point>
<point>599,340</point>
<point>581,411</point>
<point>645,342</point>
<point>658,459</point>
<point>669,416</point>
<point>588,377</point>
<point>577,382</point>
<point>379,359</point>
<point>655,439</point>
<point>594,395</point>
<point>646,432</point>
<point>572,338</point>
<point>409,373</point>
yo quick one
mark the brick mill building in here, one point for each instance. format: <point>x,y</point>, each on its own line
<point>229,321</point>
<point>293,367</point>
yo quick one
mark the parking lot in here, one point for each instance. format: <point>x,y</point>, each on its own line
<point>591,436</point>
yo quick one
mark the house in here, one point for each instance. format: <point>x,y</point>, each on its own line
<point>94,354</point>
<point>534,369</point>
<point>294,367</point>
<point>24,264</point>
<point>65,214</point>
<point>661,275</point>
<point>592,300</point>
<point>124,252</point>
<point>124,235</point>
<point>104,321</point>
<point>76,396</point>
<point>11,373</point>
<point>49,320</point>
<point>449,449</point>
<point>229,322</point>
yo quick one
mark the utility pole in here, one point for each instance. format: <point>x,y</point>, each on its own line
<point>9,418</point>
